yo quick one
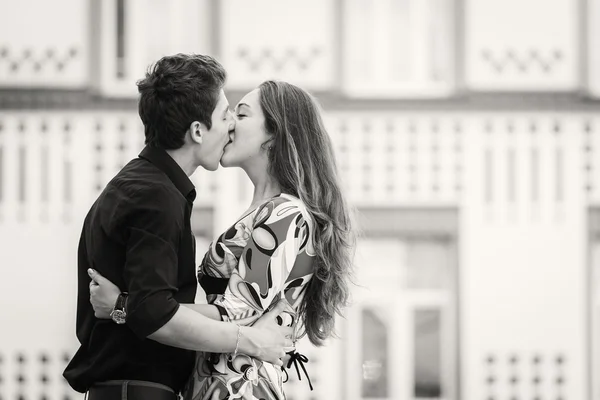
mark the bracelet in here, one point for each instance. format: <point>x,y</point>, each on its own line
<point>237,343</point>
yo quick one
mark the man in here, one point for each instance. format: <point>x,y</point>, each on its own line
<point>138,235</point>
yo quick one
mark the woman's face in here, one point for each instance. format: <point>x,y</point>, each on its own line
<point>246,141</point>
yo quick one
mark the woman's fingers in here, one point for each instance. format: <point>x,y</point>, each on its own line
<point>278,309</point>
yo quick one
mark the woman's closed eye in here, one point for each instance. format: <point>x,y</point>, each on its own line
<point>241,115</point>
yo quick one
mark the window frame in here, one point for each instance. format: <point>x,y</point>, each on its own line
<point>114,75</point>
<point>355,86</point>
<point>594,300</point>
<point>591,36</point>
<point>408,225</point>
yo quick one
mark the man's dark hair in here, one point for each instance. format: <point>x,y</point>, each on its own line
<point>177,91</point>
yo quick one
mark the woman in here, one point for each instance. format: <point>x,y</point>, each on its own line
<point>294,242</point>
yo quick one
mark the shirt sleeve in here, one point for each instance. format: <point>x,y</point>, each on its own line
<point>279,230</point>
<point>152,233</point>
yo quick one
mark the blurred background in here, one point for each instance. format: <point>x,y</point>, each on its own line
<point>468,136</point>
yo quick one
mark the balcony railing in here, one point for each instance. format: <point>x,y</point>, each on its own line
<point>55,164</point>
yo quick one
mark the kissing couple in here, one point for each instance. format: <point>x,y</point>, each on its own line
<point>279,272</point>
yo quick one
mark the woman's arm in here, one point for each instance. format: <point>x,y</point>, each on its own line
<point>104,293</point>
<point>208,310</point>
<point>266,340</point>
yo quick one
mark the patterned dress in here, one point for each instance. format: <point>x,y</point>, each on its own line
<point>266,255</point>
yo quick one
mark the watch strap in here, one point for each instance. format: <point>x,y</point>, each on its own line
<point>121,301</point>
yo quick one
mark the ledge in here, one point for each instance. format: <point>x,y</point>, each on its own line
<point>60,99</point>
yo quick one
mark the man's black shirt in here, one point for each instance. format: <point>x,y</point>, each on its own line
<point>138,235</point>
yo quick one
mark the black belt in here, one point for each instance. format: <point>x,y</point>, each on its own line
<point>130,390</point>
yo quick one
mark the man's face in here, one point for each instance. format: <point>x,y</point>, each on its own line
<point>215,139</point>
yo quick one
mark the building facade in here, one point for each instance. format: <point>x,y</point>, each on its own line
<point>468,136</point>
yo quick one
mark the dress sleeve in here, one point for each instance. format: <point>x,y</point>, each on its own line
<point>265,267</point>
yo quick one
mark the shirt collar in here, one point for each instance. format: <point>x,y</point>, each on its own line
<point>166,164</point>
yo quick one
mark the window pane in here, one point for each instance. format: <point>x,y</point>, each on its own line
<point>1,173</point>
<point>398,46</point>
<point>375,350</point>
<point>427,357</point>
<point>427,265</point>
<point>593,55</point>
<point>596,266</point>
<point>120,38</point>
<point>401,40</point>
<point>157,32</point>
<point>595,256</point>
<point>22,173</point>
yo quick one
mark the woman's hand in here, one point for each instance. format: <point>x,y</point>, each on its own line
<point>103,294</point>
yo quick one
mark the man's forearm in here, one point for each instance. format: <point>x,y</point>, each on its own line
<point>208,310</point>
<point>191,330</point>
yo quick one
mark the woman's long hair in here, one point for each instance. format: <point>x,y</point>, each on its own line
<point>303,162</point>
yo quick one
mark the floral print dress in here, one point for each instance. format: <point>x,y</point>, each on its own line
<point>266,255</point>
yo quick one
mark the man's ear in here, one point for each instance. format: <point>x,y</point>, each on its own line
<point>197,131</point>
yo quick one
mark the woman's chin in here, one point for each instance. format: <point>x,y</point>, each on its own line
<point>226,163</point>
<point>228,159</point>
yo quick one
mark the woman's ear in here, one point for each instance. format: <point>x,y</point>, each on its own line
<point>196,131</point>
<point>268,145</point>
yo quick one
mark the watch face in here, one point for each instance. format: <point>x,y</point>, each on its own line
<point>118,316</point>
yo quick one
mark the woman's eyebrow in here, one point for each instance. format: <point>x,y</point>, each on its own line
<point>240,105</point>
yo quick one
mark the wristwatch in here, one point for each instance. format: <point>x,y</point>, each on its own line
<point>119,314</point>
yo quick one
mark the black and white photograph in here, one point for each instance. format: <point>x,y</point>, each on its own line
<point>300,199</point>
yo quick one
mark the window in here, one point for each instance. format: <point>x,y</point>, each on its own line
<point>398,48</point>
<point>115,64</point>
<point>120,42</point>
<point>593,54</point>
<point>402,329</point>
<point>427,353</point>
<point>130,35</point>
<point>595,299</point>
<point>375,353</point>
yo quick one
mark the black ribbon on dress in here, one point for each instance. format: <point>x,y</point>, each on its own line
<point>297,358</point>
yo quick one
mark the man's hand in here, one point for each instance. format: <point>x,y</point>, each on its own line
<point>103,294</point>
<point>266,340</point>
